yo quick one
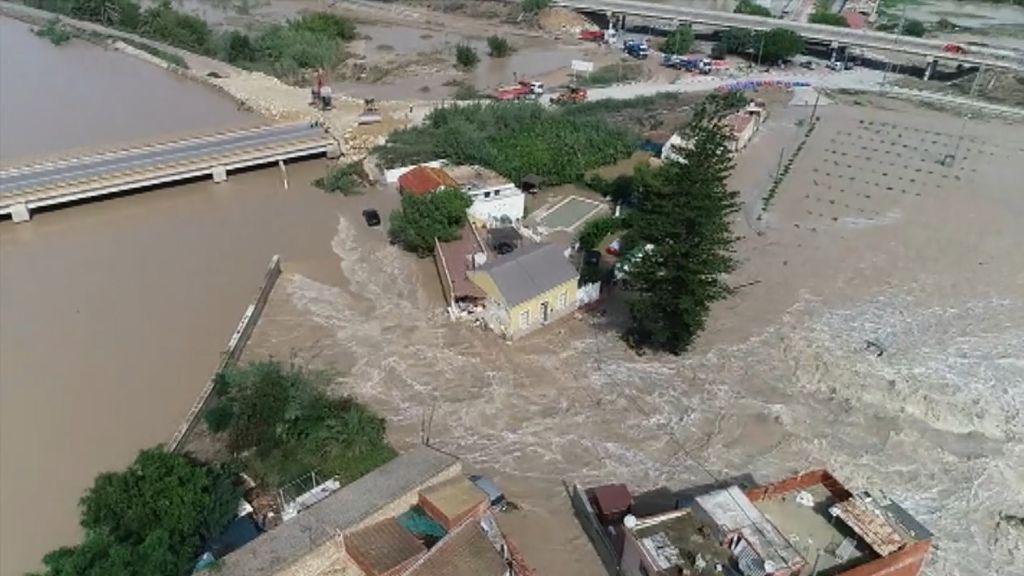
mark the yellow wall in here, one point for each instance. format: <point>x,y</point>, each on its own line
<point>533,305</point>
<point>486,283</point>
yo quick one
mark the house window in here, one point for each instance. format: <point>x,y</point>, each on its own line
<point>487,194</point>
<point>524,318</point>
<point>497,192</point>
<point>562,299</point>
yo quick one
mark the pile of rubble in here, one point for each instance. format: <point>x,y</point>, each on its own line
<point>563,20</point>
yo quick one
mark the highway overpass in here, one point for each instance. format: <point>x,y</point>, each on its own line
<point>931,49</point>
<point>50,183</point>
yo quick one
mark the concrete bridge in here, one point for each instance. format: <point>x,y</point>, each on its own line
<point>50,183</point>
<point>930,49</point>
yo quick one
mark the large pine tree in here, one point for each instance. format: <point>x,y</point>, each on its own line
<point>683,216</point>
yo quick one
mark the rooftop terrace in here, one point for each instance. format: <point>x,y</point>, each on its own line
<point>825,541</point>
<point>679,539</point>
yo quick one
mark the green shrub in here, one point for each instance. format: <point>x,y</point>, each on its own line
<point>515,139</point>
<point>466,56</point>
<point>829,19</point>
<point>613,74</point>
<point>678,41</point>
<point>534,6</point>
<point>914,28</point>
<point>749,7</point>
<point>326,24</point>
<point>345,179</point>
<point>422,219</point>
<point>596,230</point>
<point>53,31</point>
<point>498,47</point>
<point>285,425</point>
<point>162,22</point>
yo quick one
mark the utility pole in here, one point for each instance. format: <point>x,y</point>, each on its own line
<point>960,138</point>
<point>760,50</point>
<point>814,111</point>
<point>899,32</point>
<point>778,169</point>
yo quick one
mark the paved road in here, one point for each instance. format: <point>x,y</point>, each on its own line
<point>991,57</point>
<point>19,180</point>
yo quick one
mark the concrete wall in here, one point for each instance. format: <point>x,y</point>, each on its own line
<point>595,532</point>
<point>232,353</point>
<point>330,559</point>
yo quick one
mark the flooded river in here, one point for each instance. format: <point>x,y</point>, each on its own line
<point>114,313</point>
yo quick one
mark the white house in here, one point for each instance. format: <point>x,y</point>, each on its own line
<point>495,199</point>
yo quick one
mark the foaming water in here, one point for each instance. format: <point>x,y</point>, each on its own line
<point>934,420</point>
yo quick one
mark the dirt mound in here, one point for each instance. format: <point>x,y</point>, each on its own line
<point>563,20</point>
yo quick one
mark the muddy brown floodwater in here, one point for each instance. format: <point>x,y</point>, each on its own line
<point>114,313</point>
<point>869,238</point>
<point>81,96</point>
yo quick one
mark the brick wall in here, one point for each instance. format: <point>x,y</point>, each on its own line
<point>906,562</point>
<point>800,482</point>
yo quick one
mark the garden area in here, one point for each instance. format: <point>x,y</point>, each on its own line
<point>278,421</point>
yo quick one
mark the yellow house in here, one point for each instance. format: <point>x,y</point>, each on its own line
<point>528,288</point>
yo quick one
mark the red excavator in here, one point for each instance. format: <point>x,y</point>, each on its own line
<point>574,95</point>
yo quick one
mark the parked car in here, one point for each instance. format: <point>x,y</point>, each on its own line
<point>836,66</point>
<point>592,258</point>
<point>808,64</point>
<point>372,217</point>
<point>494,494</point>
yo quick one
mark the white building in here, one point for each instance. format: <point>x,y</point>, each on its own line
<point>495,199</point>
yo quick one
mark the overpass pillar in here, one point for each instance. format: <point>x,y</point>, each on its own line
<point>933,63</point>
<point>20,213</point>
<point>220,174</point>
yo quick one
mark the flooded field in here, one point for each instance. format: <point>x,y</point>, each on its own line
<point>966,13</point>
<point>81,96</point>
<point>780,382</point>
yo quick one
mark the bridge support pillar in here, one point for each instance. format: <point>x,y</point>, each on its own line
<point>929,69</point>
<point>333,151</point>
<point>220,174</point>
<point>20,213</point>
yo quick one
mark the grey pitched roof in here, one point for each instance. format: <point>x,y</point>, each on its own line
<point>337,513</point>
<point>529,271</point>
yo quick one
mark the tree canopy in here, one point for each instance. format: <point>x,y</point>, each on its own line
<point>752,8</point>
<point>914,28</point>
<point>421,219</point>
<point>678,41</point>
<point>681,227</point>
<point>780,44</point>
<point>514,139</point>
<point>828,19</point>
<point>466,56</point>
<point>150,519</point>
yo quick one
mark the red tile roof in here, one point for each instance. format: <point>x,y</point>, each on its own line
<point>424,180</point>
<point>465,551</point>
<point>855,20</point>
<point>382,547</point>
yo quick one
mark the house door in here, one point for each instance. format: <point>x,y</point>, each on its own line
<point>544,308</point>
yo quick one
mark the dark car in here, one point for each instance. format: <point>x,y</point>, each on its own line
<point>494,494</point>
<point>372,217</point>
<point>592,258</point>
